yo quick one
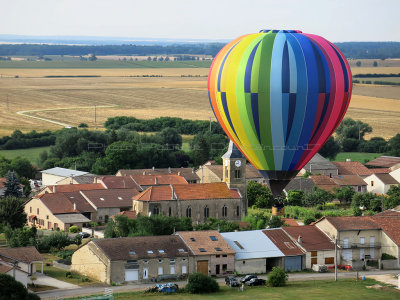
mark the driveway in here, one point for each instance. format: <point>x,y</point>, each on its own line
<point>388,279</point>
<point>46,280</point>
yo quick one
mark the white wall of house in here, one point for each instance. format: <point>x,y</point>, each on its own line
<point>250,266</point>
<point>396,174</point>
<point>375,185</point>
<point>50,179</point>
<point>19,276</point>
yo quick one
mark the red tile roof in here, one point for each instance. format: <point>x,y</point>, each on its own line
<point>126,213</point>
<point>352,168</point>
<point>384,161</point>
<point>188,192</point>
<point>187,173</point>
<point>312,239</point>
<point>110,197</point>
<point>5,268</point>
<point>197,240</point>
<point>22,254</point>
<point>163,179</point>
<point>68,188</point>
<point>57,203</point>
<point>388,213</point>
<point>81,203</point>
<point>324,182</point>
<point>290,222</point>
<point>283,241</point>
<point>344,180</point>
<point>352,223</point>
<point>381,171</point>
<point>119,182</point>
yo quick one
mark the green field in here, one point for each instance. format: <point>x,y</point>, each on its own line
<point>319,289</point>
<point>357,156</point>
<point>32,154</point>
<point>102,64</point>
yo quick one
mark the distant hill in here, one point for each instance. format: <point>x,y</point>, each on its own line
<point>360,50</point>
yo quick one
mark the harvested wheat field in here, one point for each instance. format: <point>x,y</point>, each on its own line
<point>71,100</point>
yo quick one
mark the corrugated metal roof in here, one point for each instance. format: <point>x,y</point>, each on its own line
<point>72,218</point>
<point>64,172</point>
<point>251,244</point>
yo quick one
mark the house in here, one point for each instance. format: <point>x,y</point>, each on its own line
<point>212,254</point>
<point>119,182</point>
<point>354,181</point>
<point>324,182</point>
<point>54,175</point>
<point>319,248</point>
<point>83,179</point>
<point>352,168</point>
<point>380,183</point>
<point>391,162</point>
<point>320,165</point>
<point>196,201</point>
<point>294,259</point>
<point>134,259</point>
<point>187,173</point>
<point>358,238</point>
<point>301,184</point>
<point>20,262</point>
<point>255,252</point>
<point>395,174</point>
<point>54,211</point>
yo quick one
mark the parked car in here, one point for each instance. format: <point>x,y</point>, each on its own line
<point>247,278</point>
<point>231,281</point>
<point>255,281</point>
<point>84,235</point>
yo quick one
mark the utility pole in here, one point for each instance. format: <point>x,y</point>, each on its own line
<point>336,259</point>
<point>8,108</point>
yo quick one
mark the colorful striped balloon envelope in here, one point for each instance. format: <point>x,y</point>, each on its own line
<point>279,95</point>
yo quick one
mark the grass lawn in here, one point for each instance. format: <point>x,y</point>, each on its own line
<point>357,156</point>
<point>320,289</point>
<point>32,154</point>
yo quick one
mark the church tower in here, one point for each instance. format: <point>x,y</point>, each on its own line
<point>234,173</point>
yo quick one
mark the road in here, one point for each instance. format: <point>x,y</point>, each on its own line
<point>86,291</point>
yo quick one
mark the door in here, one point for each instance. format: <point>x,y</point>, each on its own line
<point>202,266</point>
<point>293,263</point>
<point>145,273</point>
<point>172,269</point>
<point>131,275</point>
<point>217,269</point>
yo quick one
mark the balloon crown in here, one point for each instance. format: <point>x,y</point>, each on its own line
<point>276,31</point>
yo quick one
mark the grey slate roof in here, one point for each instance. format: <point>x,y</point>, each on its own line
<point>233,152</point>
<point>64,172</point>
<point>319,162</point>
<point>72,218</point>
<point>300,183</point>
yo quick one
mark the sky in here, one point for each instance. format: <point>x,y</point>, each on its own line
<point>336,20</point>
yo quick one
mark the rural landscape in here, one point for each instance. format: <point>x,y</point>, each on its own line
<point>170,150</point>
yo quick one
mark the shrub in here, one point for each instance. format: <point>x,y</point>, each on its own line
<point>74,229</point>
<point>199,283</point>
<point>277,277</point>
<point>309,220</point>
<point>386,256</point>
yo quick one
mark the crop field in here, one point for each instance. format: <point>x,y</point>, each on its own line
<point>178,92</point>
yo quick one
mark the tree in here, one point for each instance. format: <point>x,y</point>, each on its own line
<point>217,224</point>
<point>256,192</point>
<point>351,129</point>
<point>201,150</point>
<point>12,212</point>
<point>83,125</point>
<point>330,149</point>
<point>373,145</point>
<point>92,57</point>
<point>368,201</point>
<point>12,185</point>
<point>21,237</point>
<point>23,167</point>
<point>393,198</point>
<point>358,63</point>
<point>295,197</point>
<point>375,63</point>
<point>277,277</point>
<point>318,196</point>
<point>170,136</point>
<point>345,194</point>
<point>13,289</point>
<point>199,283</point>
<point>394,145</point>
<point>275,222</point>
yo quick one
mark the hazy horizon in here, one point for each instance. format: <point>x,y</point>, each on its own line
<point>338,21</point>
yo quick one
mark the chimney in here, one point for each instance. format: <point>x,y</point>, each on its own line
<point>155,180</point>
<point>54,189</point>
<point>173,191</point>
<point>95,179</point>
<point>169,170</point>
<point>153,168</point>
<point>192,170</point>
<point>299,239</point>
<point>348,159</point>
<point>179,173</point>
<point>74,206</point>
<point>144,172</point>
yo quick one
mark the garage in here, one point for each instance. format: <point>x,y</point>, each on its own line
<point>131,275</point>
<point>293,263</point>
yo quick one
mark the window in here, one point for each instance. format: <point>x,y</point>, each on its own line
<point>181,250</point>
<point>156,210</point>
<point>172,261</point>
<point>30,209</point>
<point>202,250</point>
<point>372,183</point>
<point>47,217</point>
<point>362,240</point>
<point>120,198</point>
<point>169,211</point>
<point>213,238</point>
<point>192,239</point>
<point>314,253</point>
<point>102,199</point>
<point>217,256</point>
<point>160,261</point>
<point>237,210</point>
<point>161,251</point>
<point>160,270</point>
<point>132,252</point>
<point>237,174</point>
<point>218,249</point>
<point>224,211</point>
<point>206,212</point>
<point>346,243</point>
<point>224,255</point>
<point>145,261</point>
<point>359,188</point>
<point>150,251</point>
<point>189,212</point>
<point>329,260</point>
<point>244,262</point>
<point>106,218</point>
<point>224,267</point>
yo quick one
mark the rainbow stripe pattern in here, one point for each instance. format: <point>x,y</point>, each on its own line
<point>279,95</point>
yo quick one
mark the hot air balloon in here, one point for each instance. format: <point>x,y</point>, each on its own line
<point>279,95</point>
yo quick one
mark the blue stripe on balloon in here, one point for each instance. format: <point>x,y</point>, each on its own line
<point>222,67</point>
<point>346,75</point>
<point>312,97</point>
<point>293,69</point>
<point>301,99</point>
<point>285,70</point>
<point>276,99</point>
<point>320,69</point>
<point>226,111</point>
<point>249,66</point>
<point>254,109</point>
<point>292,107</point>
<point>285,114</point>
<point>212,108</point>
